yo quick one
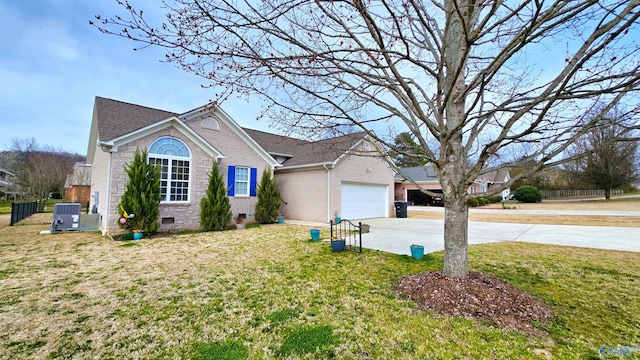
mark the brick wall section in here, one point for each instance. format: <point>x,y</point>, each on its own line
<point>238,153</point>
<point>186,215</point>
<point>78,194</point>
<point>305,193</point>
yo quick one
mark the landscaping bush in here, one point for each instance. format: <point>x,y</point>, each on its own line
<point>268,199</point>
<point>527,194</point>
<point>472,202</point>
<point>483,201</point>
<point>215,210</point>
<point>142,194</point>
<point>495,198</point>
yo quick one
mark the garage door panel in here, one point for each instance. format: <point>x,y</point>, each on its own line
<point>361,201</point>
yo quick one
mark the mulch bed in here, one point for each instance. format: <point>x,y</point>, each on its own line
<point>479,296</point>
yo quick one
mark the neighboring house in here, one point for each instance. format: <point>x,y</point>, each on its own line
<point>425,177</point>
<point>8,189</point>
<point>317,179</point>
<point>491,181</point>
<point>77,187</point>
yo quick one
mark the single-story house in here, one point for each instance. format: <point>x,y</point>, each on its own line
<point>425,177</point>
<point>491,181</point>
<point>318,180</point>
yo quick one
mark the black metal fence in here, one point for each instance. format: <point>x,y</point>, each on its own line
<point>22,210</point>
<point>349,232</point>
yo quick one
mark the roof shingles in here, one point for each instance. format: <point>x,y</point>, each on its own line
<point>117,118</point>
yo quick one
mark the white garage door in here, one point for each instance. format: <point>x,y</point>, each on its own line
<point>361,201</point>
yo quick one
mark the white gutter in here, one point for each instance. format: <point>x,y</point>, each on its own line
<point>316,165</point>
<point>328,192</point>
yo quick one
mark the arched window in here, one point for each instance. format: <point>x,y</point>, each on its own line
<point>210,123</point>
<point>174,158</point>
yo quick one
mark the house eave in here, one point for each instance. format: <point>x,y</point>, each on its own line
<point>113,144</point>
<point>306,167</point>
<point>222,115</point>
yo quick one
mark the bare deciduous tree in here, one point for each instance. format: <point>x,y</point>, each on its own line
<point>608,163</point>
<point>42,169</point>
<point>467,79</point>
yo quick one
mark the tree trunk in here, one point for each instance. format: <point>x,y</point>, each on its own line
<point>454,161</point>
<point>455,237</point>
<point>607,194</point>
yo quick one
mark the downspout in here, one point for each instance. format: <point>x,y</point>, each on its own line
<point>105,230</point>
<point>328,192</point>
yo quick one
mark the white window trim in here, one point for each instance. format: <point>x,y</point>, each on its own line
<point>235,182</point>
<point>170,158</point>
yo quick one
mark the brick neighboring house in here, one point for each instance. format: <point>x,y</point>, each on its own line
<point>426,178</point>
<point>77,187</point>
<point>317,179</point>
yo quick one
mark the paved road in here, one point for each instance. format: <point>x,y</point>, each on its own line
<point>531,212</point>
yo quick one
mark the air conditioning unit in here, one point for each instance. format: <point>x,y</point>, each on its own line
<point>66,217</point>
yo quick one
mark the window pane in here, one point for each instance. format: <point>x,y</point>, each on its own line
<point>241,188</point>
<point>242,174</point>
<point>174,175</point>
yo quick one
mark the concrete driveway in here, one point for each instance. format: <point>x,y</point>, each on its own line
<point>396,235</point>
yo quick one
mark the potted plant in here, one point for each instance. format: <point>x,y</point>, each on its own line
<point>417,251</point>
<point>130,223</point>
<point>338,244</point>
<point>138,234</point>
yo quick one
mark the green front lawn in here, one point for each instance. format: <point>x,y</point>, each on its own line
<point>269,292</point>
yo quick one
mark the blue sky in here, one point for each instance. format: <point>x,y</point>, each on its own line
<point>53,64</point>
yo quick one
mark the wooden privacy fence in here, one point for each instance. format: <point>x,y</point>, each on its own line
<point>576,193</point>
<point>22,210</point>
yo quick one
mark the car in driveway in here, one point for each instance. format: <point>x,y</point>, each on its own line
<point>438,199</point>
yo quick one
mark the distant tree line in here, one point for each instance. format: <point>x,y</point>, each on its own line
<point>40,169</point>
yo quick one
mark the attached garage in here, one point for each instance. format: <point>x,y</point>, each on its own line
<point>362,201</point>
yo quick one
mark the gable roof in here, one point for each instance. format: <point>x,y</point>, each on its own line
<point>417,173</point>
<point>120,122</point>
<point>118,118</point>
<point>301,152</point>
<point>495,176</point>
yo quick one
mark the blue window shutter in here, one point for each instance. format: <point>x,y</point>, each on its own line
<point>231,179</point>
<point>253,179</point>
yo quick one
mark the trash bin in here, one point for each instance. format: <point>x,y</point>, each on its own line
<point>401,209</point>
<point>315,234</point>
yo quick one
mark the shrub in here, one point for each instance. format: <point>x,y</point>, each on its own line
<point>142,194</point>
<point>473,202</point>
<point>483,201</point>
<point>215,210</point>
<point>527,194</point>
<point>495,198</point>
<point>268,199</point>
